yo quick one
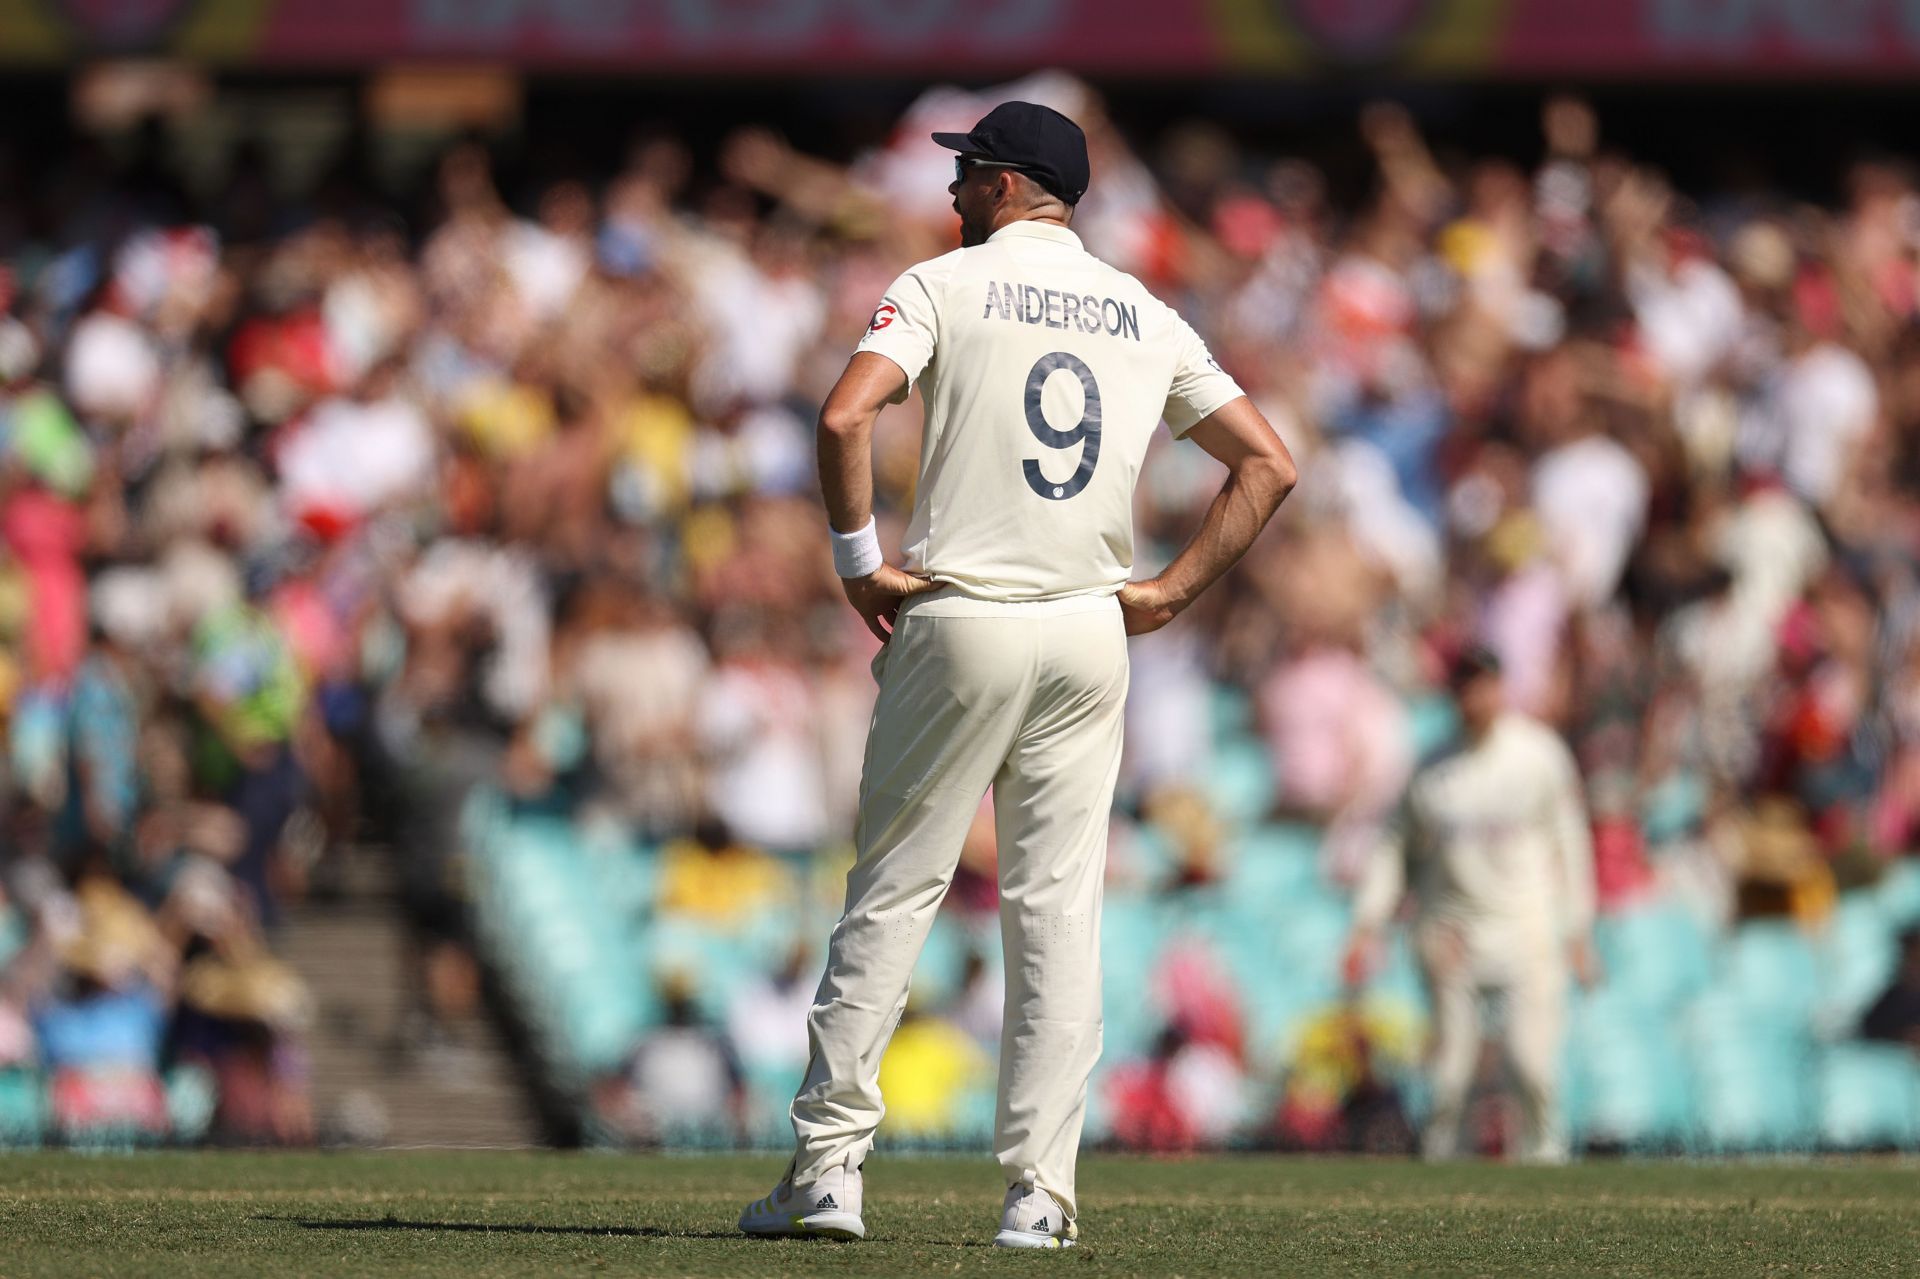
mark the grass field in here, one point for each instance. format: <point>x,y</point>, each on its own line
<point>482,1214</point>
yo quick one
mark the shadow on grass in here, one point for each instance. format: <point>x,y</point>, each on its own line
<point>502,1228</point>
<point>526,1228</point>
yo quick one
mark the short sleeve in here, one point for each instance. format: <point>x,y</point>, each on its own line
<point>906,324</point>
<point>1200,386</point>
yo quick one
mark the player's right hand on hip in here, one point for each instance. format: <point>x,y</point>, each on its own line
<point>876,597</point>
<point>1146,606</point>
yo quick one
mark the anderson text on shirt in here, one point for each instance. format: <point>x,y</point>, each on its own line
<point>1061,310</point>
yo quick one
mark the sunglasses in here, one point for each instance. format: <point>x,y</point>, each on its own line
<point>962,163</point>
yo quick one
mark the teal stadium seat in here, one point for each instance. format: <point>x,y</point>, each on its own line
<point>714,963</point>
<point>192,1096</point>
<point>1312,937</point>
<point>1128,1031</point>
<point>978,1108</point>
<point>1748,1110</point>
<point>626,875</point>
<point>1230,711</point>
<point>1239,782</point>
<point>1899,893</point>
<point>23,1109</point>
<point>771,1086</point>
<point>1398,977</point>
<point>1869,1097</point>
<point>1656,956</point>
<point>1628,1085</point>
<point>1097,1127</point>
<point>1433,722</point>
<point>1858,956</point>
<point>1770,967</point>
<point>1204,910</point>
<point>602,1025</point>
<point>482,818</point>
<point>1299,972</point>
<point>1272,864</point>
<point>1753,1075</point>
<point>571,956</point>
<point>1279,928</point>
<point>1150,854</point>
<point>943,961</point>
<point>1131,937</point>
<point>1673,809</point>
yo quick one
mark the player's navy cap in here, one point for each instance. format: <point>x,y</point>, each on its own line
<point>1037,140</point>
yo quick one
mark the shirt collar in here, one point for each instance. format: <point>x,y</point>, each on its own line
<point>1028,228</point>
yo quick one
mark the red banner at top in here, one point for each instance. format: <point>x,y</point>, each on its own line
<point>1668,38</point>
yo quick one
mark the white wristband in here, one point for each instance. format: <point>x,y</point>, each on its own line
<point>856,554</point>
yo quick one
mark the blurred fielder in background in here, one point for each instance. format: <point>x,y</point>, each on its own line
<point>1044,373</point>
<point>1493,844</point>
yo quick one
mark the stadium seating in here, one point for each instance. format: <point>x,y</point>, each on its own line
<point>1869,1097</point>
<point>1691,1043</point>
<point>1655,956</point>
<point>1771,968</point>
<point>1858,955</point>
<point>1274,864</point>
<point>1433,721</point>
<point>568,959</point>
<point>1899,893</point>
<point>23,1108</point>
<point>1672,808</point>
<point>1132,932</point>
<point>1628,1084</point>
<point>1240,779</point>
<point>1230,711</point>
<point>1752,1064</point>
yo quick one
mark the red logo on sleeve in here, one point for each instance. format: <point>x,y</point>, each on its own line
<point>883,317</point>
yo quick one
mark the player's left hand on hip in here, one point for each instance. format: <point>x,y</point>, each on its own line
<point>1146,606</point>
<point>877,596</point>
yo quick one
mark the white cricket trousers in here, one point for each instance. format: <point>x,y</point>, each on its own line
<point>1027,699</point>
<point>1532,982</point>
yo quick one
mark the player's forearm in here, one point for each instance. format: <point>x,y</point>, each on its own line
<point>1383,883</point>
<point>1573,840</point>
<point>845,444</point>
<point>1253,492</point>
<point>1576,847</point>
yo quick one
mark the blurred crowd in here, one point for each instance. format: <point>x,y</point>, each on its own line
<point>318,512</point>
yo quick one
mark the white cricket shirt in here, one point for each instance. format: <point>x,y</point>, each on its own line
<point>1044,372</point>
<point>1492,838</point>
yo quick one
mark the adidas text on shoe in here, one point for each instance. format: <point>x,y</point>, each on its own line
<point>1033,1219</point>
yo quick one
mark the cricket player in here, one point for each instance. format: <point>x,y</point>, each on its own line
<point>1492,841</point>
<point>1044,373</point>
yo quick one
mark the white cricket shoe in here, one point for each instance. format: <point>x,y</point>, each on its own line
<point>829,1208</point>
<point>1032,1219</point>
